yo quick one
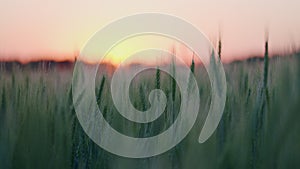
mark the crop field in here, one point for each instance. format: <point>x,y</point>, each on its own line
<point>260,127</point>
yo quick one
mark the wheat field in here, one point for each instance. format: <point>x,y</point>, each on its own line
<point>259,128</point>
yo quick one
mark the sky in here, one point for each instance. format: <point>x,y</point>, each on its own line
<point>58,29</point>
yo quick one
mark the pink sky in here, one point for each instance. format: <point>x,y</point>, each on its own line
<point>35,29</point>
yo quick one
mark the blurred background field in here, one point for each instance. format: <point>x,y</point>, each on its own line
<point>259,129</point>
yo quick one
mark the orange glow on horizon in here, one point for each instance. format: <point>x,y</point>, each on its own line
<point>32,31</point>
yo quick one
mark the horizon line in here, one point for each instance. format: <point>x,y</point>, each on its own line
<point>246,58</point>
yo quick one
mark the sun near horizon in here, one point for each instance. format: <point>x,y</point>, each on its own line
<point>33,30</point>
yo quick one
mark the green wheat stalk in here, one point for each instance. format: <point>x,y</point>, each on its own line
<point>100,92</point>
<point>157,78</point>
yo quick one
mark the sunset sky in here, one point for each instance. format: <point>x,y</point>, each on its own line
<point>36,29</point>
